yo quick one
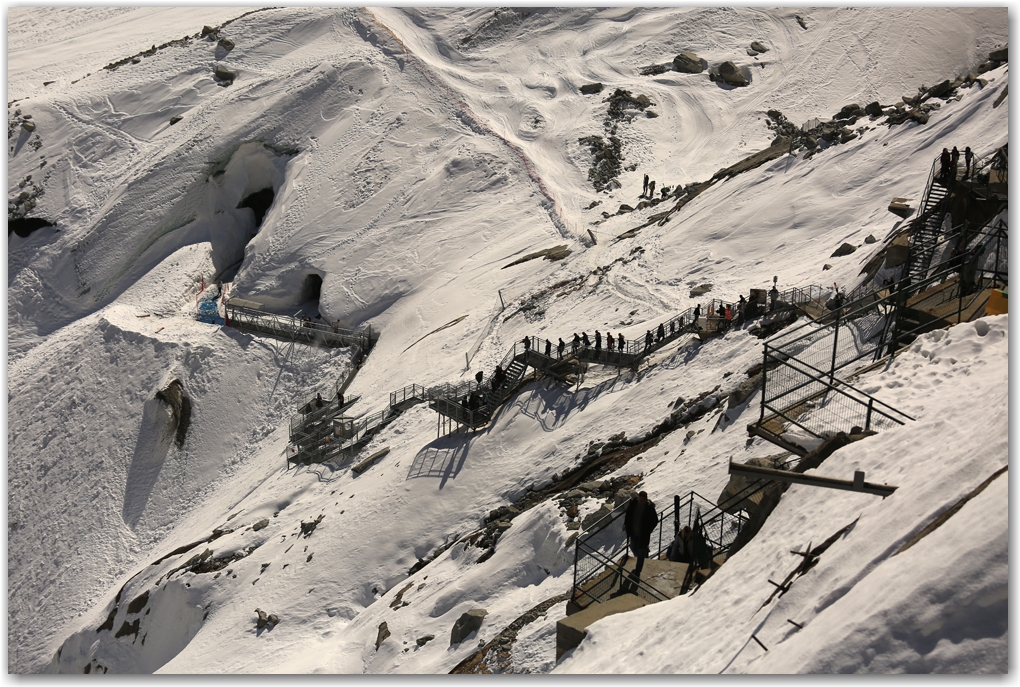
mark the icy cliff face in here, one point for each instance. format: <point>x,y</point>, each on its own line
<point>411,156</point>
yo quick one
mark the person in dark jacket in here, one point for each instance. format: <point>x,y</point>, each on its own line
<point>598,341</point>
<point>479,376</point>
<point>651,190</point>
<point>660,333</point>
<point>560,347</point>
<point>585,341</point>
<point>944,165</point>
<point>644,188</point>
<point>619,341</point>
<point>968,158</point>
<point>527,343</point>
<point>697,314</point>
<point>318,400</point>
<point>648,339</point>
<point>548,348</point>
<point>497,378</point>
<point>954,162</point>
<point>610,342</point>
<point>682,548</point>
<point>576,343</point>
<point>638,523</point>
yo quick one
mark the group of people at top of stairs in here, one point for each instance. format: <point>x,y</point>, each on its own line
<point>949,161</point>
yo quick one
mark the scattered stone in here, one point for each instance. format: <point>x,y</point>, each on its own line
<point>800,20</point>
<point>758,46</point>
<point>870,239</point>
<point>264,522</point>
<point>999,55</point>
<point>845,249</point>
<point>743,391</point>
<point>308,527</point>
<point>384,632</point>
<point>688,63</point>
<point>873,108</point>
<point>206,30</point>
<point>851,111</point>
<point>468,623</point>
<point>225,75</point>
<point>655,69</point>
<point>624,209</point>
<point>826,266</point>
<point>700,290</point>
<point>422,641</point>
<point>591,88</point>
<point>28,126</point>
<point>175,119</point>
<point>226,44</point>
<point>731,74</point>
<point>264,620</point>
<point>573,525</point>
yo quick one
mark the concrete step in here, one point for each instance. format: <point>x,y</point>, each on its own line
<point>571,630</point>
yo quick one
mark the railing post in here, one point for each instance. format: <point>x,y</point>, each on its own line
<point>764,381</point>
<point>835,340</point>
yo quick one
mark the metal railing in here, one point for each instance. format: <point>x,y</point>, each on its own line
<point>599,551</point>
<point>248,315</point>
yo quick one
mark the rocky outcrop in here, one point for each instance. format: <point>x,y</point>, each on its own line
<point>757,46</point>
<point>468,623</point>
<point>380,637</point>
<point>591,88</point>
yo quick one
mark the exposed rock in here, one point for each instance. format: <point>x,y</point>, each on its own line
<point>308,527</point>
<point>589,521</point>
<point>689,63</point>
<point>655,69</point>
<point>939,90</point>
<point>700,290</point>
<point>224,74</point>
<point>591,88</point>
<point>731,74</point>
<point>826,266</point>
<point>206,30</point>
<point>800,20</point>
<point>175,119</point>
<point>180,408</point>
<point>853,110</point>
<point>226,44</point>
<point>466,625</point>
<point>264,620</point>
<point>624,209</point>
<point>739,483</point>
<point>422,641</point>
<point>870,239</point>
<point>743,391</point>
<point>758,46</point>
<point>873,108</point>
<point>845,249</point>
<point>264,522</point>
<point>384,632</point>
<point>999,55</point>
<point>28,126</point>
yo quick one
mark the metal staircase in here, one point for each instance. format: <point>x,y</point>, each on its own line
<point>927,226</point>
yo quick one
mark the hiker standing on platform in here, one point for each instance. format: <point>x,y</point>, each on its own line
<point>479,376</point>
<point>648,339</point>
<point>576,343</point>
<point>651,190</point>
<point>560,347</point>
<point>527,343</point>
<point>585,341</point>
<point>318,400</point>
<point>697,314</point>
<point>944,165</point>
<point>954,163</point>
<point>644,189</point>
<point>497,378</point>
<point>773,294</point>
<point>619,342</point>
<point>638,523</point>
<point>968,158</point>
<point>339,398</point>
<point>660,332</point>
<point>598,341</point>
<point>741,310</point>
<point>610,342</point>
<point>548,348</point>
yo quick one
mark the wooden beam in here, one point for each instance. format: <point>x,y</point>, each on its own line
<point>857,484</point>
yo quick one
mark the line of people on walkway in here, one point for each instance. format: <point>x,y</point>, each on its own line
<point>949,163</point>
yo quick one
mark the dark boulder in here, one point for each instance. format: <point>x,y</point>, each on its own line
<point>732,75</point>
<point>689,63</point>
<point>591,88</point>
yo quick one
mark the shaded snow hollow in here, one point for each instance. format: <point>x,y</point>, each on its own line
<point>407,166</point>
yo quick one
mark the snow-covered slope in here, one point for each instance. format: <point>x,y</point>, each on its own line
<point>412,155</point>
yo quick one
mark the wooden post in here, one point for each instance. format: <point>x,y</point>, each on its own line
<point>593,240</point>
<point>500,292</point>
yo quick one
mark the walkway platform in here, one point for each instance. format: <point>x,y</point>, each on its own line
<point>251,316</point>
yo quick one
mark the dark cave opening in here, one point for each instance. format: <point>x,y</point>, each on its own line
<point>259,202</point>
<point>23,226</point>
